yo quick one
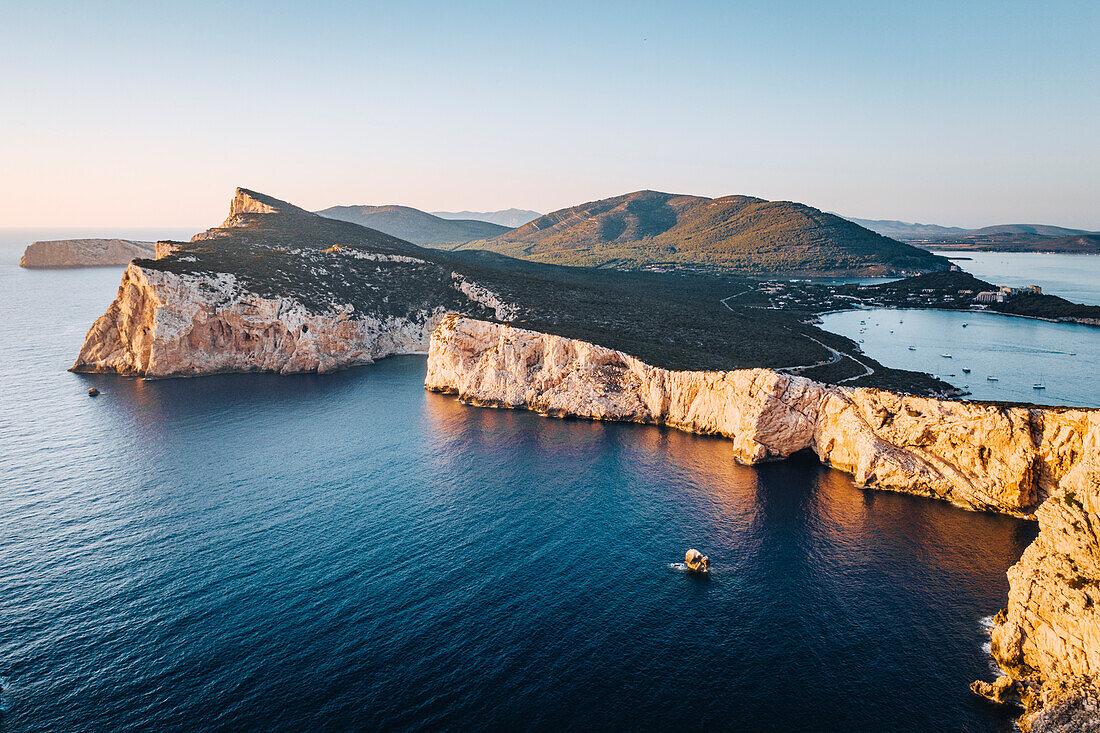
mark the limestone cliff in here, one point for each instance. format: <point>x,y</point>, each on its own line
<point>277,289</point>
<point>1024,461</point>
<point>83,252</point>
<point>998,458</point>
<point>164,324</point>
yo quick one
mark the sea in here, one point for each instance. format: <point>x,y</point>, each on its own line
<point>988,355</point>
<point>350,552</point>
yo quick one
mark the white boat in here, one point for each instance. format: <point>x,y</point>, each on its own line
<point>912,348</point>
<point>946,356</point>
<point>991,378</point>
<point>965,324</point>
<point>966,370</point>
<point>1038,385</point>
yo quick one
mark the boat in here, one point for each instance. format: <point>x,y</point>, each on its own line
<point>965,324</point>
<point>946,356</point>
<point>912,348</point>
<point>991,378</point>
<point>966,370</point>
<point>1038,385</point>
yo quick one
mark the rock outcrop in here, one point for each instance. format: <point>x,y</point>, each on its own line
<point>1024,461</point>
<point>696,561</point>
<point>164,324</point>
<point>83,253</point>
<point>997,458</point>
<point>1048,640</point>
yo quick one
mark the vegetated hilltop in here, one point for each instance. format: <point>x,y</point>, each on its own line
<point>270,250</point>
<point>1022,242</point>
<point>83,252</point>
<point>997,238</point>
<point>510,218</point>
<point>661,231</point>
<point>414,225</point>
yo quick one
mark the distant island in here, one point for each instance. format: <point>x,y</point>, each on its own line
<point>510,218</point>
<point>59,253</point>
<point>997,238</point>
<point>416,226</point>
<point>651,230</point>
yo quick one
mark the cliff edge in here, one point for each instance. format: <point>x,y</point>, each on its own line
<point>1024,461</point>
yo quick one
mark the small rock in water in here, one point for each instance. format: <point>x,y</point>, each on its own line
<point>696,561</point>
<point>93,392</point>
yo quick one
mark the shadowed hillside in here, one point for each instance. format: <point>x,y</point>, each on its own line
<point>414,225</point>
<point>653,230</point>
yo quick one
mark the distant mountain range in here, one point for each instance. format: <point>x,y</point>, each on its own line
<point>510,218</point>
<point>414,225</point>
<point>655,230</point>
<point>1000,237</point>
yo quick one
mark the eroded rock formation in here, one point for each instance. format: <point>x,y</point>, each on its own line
<point>164,324</point>
<point>83,252</point>
<point>1023,461</point>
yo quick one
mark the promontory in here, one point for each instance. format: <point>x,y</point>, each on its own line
<point>276,288</point>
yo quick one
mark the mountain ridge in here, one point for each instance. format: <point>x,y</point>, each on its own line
<point>510,218</point>
<point>414,225</point>
<point>656,230</point>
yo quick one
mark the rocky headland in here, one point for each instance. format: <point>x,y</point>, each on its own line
<point>83,252</point>
<point>1024,461</point>
<point>279,289</point>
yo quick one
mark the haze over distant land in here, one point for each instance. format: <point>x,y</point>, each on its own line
<point>510,218</point>
<point>999,237</point>
<point>655,230</point>
<point>414,225</point>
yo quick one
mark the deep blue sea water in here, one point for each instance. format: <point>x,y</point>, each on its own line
<point>350,552</point>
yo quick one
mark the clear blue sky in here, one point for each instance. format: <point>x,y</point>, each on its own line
<point>963,113</point>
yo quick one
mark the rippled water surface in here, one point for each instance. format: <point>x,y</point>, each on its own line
<point>348,551</point>
<point>1018,352</point>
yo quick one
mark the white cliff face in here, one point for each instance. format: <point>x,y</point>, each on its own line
<point>1008,459</point>
<point>163,324</point>
<point>979,456</point>
<point>478,293</point>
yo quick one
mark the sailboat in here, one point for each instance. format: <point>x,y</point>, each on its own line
<point>1039,384</point>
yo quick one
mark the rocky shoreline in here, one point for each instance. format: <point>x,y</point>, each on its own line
<point>281,290</point>
<point>1031,462</point>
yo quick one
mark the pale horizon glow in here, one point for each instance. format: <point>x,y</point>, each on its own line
<point>149,115</point>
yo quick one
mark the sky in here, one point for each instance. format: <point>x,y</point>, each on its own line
<point>151,113</point>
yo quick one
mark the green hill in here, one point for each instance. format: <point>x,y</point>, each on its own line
<point>673,320</point>
<point>652,230</point>
<point>414,225</point>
